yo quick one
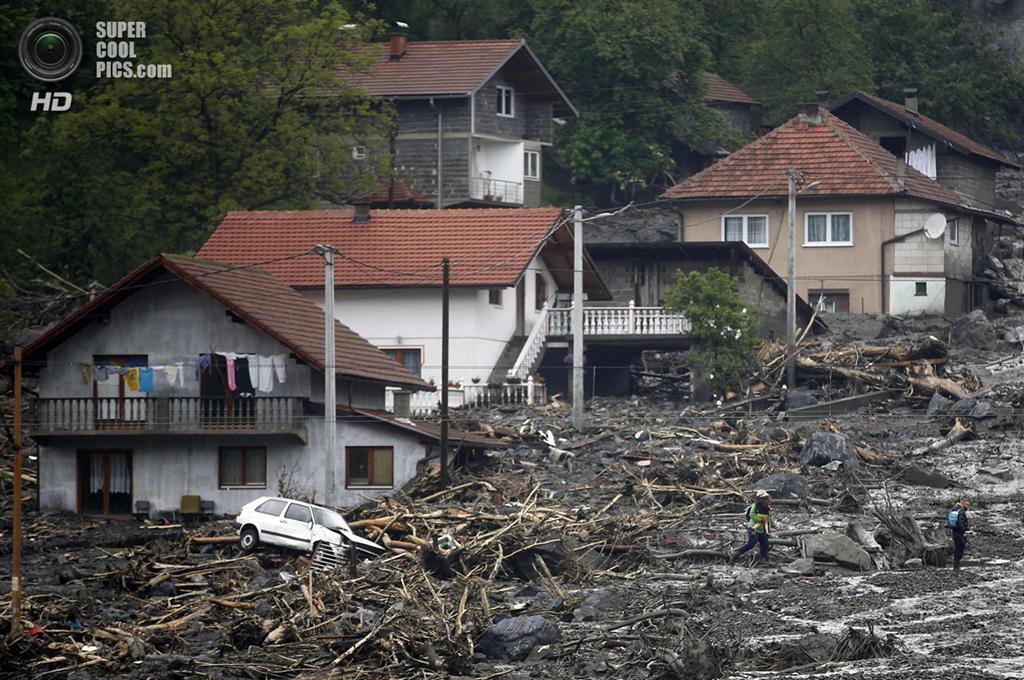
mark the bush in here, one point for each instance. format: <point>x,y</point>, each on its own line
<point>725,333</point>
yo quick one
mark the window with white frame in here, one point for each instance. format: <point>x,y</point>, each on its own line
<point>531,164</point>
<point>953,229</point>
<point>828,229</point>
<point>506,101</point>
<point>751,229</point>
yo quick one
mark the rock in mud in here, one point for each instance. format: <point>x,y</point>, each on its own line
<point>798,399</point>
<point>822,448</point>
<point>515,637</point>
<point>975,331</point>
<point>783,484</point>
<point>840,549</point>
<point>972,408</point>
<point>917,476</point>
<point>938,405</point>
<point>599,605</point>
<point>914,563</point>
<point>801,567</point>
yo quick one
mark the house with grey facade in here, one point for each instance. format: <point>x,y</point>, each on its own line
<point>189,379</point>
<point>473,120</point>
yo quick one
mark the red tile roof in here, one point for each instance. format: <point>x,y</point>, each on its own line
<point>487,247</point>
<point>261,301</point>
<point>928,126</point>
<point>843,160</point>
<point>450,67</point>
<point>721,90</point>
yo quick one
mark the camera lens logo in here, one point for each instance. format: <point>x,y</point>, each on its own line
<point>50,49</point>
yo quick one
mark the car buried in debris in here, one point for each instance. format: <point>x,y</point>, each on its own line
<point>300,526</point>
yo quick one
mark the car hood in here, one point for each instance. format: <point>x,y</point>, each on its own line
<point>358,540</point>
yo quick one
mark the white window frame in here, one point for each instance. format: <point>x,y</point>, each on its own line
<point>828,242</point>
<point>531,161</point>
<point>746,231</point>
<point>953,229</point>
<point>511,113</point>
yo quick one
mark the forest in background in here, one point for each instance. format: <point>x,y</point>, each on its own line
<point>142,167</point>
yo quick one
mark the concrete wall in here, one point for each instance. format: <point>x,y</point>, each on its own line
<point>411,317</point>
<point>904,298</point>
<point>164,468</point>
<point>416,147</point>
<point>971,177</point>
<point>917,254</point>
<point>854,268</point>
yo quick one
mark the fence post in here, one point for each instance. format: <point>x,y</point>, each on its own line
<point>632,317</point>
<point>529,390</point>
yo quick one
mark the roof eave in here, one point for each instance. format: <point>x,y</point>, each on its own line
<point>523,46</point>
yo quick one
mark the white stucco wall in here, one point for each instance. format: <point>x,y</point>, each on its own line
<point>411,317</point>
<point>903,298</point>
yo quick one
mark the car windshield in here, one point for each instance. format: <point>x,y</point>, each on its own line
<point>329,519</point>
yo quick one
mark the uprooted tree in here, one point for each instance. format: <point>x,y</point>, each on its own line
<point>725,333</point>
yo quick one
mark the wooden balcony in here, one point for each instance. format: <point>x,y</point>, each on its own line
<point>167,415</point>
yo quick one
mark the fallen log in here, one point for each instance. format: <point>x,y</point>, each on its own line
<point>218,540</point>
<point>956,433</point>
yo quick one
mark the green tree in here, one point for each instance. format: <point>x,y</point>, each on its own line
<point>805,46</point>
<point>725,333</point>
<point>253,117</point>
<point>632,67</point>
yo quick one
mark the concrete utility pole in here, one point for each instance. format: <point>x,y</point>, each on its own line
<point>330,385</point>
<point>16,568</point>
<point>445,268</point>
<point>577,317</point>
<point>791,286</point>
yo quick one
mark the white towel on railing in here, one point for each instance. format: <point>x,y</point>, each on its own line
<point>254,369</point>
<point>281,367</point>
<point>266,374</point>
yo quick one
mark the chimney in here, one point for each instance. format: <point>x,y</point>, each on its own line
<point>399,39</point>
<point>401,403</point>
<point>910,99</point>
<point>362,213</point>
<point>810,113</point>
<point>901,170</point>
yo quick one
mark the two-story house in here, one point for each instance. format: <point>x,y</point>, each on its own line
<point>861,213</point>
<point>508,267</point>
<point>473,119</point>
<point>191,378</point>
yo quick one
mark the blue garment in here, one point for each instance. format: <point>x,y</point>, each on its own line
<point>205,361</point>
<point>145,380</point>
<point>101,373</point>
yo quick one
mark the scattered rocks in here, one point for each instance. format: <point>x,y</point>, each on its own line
<point>918,476</point>
<point>974,330</point>
<point>783,484</point>
<point>803,566</point>
<point>822,448</point>
<point>515,637</point>
<point>599,604</point>
<point>842,550</point>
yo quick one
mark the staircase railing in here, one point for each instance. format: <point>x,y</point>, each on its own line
<point>533,347</point>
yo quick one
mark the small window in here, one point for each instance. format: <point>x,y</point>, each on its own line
<point>750,229</point>
<point>830,301</point>
<point>370,466</point>
<point>953,229</point>
<point>494,296</point>
<point>531,164</point>
<point>920,288</point>
<point>271,507</point>
<point>411,359</point>
<point>541,289</point>
<point>828,229</point>
<point>506,101</point>
<point>299,513</point>
<point>243,466</point>
<point>359,153</point>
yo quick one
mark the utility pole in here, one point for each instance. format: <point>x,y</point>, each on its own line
<point>16,570</point>
<point>330,384</point>
<point>791,286</point>
<point>577,318</point>
<point>445,266</point>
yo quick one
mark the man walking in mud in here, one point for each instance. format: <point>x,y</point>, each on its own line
<point>958,526</point>
<point>759,524</point>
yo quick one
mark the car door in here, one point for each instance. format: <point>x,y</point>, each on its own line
<point>267,518</point>
<point>297,525</point>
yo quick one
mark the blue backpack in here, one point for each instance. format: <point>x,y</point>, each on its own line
<point>953,516</point>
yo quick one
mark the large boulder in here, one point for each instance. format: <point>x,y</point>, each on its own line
<point>838,548</point>
<point>600,604</point>
<point>783,484</point>
<point>822,448</point>
<point>938,405</point>
<point>515,637</point>
<point>975,331</point>
<point>972,407</point>
<point>803,566</point>
<point>917,476</point>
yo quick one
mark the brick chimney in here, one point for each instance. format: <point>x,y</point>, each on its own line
<point>362,213</point>
<point>809,113</point>
<point>399,40</point>
<point>910,99</point>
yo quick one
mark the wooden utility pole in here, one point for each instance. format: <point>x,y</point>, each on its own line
<point>16,570</point>
<point>445,266</point>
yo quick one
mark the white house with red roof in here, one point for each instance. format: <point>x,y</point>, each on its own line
<point>192,382</point>
<point>508,267</point>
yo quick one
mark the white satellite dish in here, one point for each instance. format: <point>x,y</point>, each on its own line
<point>935,226</point>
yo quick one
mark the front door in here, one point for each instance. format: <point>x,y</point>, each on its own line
<point>105,482</point>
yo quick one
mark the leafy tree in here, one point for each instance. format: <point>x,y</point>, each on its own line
<point>725,334</point>
<point>805,46</point>
<point>253,117</point>
<point>632,67</point>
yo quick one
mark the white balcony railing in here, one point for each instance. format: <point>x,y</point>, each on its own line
<point>631,320</point>
<point>425,404</point>
<point>495,190</point>
<point>533,348</point>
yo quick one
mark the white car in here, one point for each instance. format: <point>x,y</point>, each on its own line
<point>298,525</point>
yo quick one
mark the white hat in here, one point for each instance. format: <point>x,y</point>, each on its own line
<point>761,493</point>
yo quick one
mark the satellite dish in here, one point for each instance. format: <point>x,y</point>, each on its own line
<point>935,226</point>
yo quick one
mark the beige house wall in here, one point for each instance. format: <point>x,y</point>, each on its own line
<point>855,268</point>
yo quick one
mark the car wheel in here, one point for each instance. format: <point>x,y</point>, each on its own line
<point>249,539</point>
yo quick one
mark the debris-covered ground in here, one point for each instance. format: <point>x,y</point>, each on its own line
<point>605,552</point>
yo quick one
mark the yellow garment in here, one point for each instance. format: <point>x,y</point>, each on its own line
<point>131,379</point>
